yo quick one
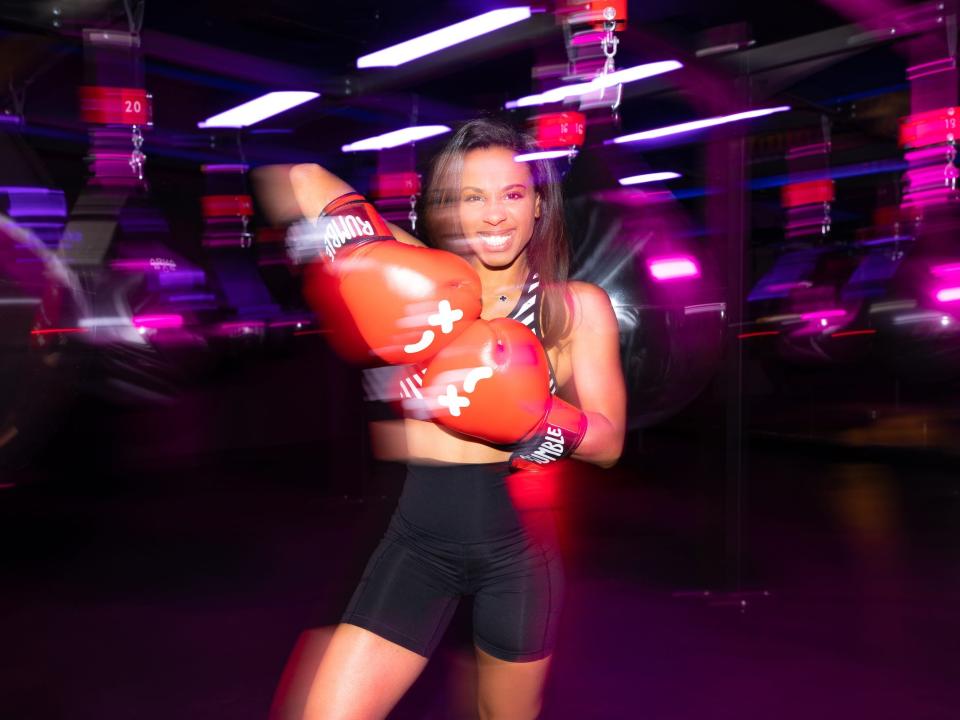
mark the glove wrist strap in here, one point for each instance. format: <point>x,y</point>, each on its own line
<point>558,436</point>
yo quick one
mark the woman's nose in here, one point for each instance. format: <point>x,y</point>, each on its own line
<point>495,213</point>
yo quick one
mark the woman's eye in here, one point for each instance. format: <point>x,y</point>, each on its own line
<point>472,198</point>
<point>515,196</point>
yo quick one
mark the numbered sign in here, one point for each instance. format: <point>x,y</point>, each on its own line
<point>114,106</point>
<point>591,12</point>
<point>929,128</point>
<point>395,185</point>
<point>227,205</point>
<point>560,130</point>
<point>807,193</point>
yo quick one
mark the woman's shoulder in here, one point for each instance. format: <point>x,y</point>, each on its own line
<point>589,301</point>
<point>590,308</point>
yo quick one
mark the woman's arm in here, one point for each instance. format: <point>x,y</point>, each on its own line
<point>291,192</point>
<point>597,374</point>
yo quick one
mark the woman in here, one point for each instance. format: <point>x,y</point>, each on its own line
<point>456,531</point>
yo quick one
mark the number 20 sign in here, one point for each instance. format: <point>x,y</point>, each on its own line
<point>114,106</point>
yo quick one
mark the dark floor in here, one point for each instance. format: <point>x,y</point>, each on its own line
<point>177,592</point>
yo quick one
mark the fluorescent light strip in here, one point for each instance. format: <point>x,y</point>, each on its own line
<point>951,294</point>
<point>544,155</point>
<point>648,178</point>
<point>443,38</point>
<point>396,138</point>
<point>696,125</point>
<point>673,268</point>
<point>627,75</point>
<point>258,109</point>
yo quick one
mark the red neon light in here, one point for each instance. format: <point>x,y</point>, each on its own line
<point>560,130</point>
<point>764,333</point>
<point>227,205</point>
<point>807,193</point>
<point>55,331</point>
<point>310,332</point>
<point>114,106</point>
<point>848,333</point>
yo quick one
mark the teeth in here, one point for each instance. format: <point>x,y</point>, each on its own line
<point>495,240</point>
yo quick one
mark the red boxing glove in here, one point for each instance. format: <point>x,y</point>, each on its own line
<point>493,383</point>
<point>382,300</point>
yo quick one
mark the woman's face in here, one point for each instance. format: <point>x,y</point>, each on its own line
<point>498,205</point>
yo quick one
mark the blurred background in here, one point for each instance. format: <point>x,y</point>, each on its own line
<point>767,193</point>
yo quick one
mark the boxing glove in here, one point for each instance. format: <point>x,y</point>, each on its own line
<point>493,383</point>
<point>381,301</point>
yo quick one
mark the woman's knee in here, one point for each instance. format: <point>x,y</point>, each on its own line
<point>510,690</point>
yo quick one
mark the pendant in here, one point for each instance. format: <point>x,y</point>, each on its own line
<point>503,298</point>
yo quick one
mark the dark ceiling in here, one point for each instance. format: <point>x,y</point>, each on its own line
<point>205,56</point>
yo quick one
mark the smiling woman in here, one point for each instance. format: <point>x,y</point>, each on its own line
<point>536,379</point>
<point>508,215</point>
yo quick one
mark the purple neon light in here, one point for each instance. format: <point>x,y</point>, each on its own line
<point>786,286</point>
<point>545,155</point>
<point>261,108</point>
<point>158,321</point>
<point>396,138</point>
<point>224,168</point>
<point>443,38</point>
<point>620,77</point>
<point>673,268</point>
<point>34,201</point>
<point>950,294</point>
<point>696,125</point>
<point>648,178</point>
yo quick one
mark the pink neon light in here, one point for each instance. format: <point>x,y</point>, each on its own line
<point>944,269</point>
<point>762,333</point>
<point>144,264</point>
<point>951,294</point>
<point>289,323</point>
<point>673,268</point>
<point>156,322</point>
<point>822,314</point>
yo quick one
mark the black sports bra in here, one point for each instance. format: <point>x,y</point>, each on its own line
<point>527,311</point>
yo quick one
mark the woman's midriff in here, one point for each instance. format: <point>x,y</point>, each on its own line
<point>426,441</point>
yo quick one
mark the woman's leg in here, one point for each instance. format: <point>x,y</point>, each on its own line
<point>290,697</point>
<point>516,612</point>
<point>510,690</point>
<point>361,676</point>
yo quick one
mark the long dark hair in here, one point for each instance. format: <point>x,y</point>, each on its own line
<point>548,252</point>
